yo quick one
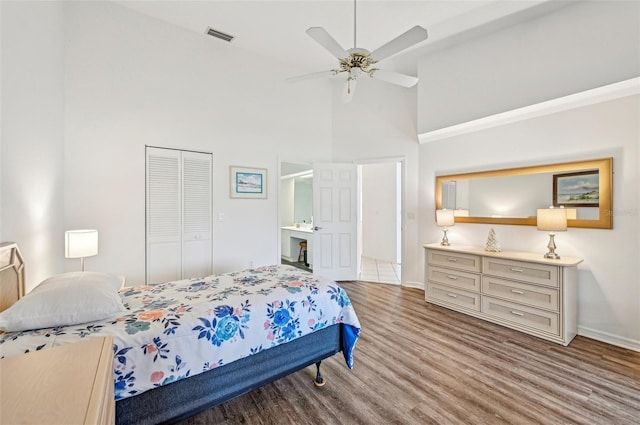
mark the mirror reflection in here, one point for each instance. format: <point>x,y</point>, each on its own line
<point>296,194</point>
<point>512,196</point>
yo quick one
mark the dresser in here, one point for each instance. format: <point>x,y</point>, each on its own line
<point>70,384</point>
<point>520,290</point>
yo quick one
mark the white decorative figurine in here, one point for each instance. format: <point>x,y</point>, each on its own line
<point>492,242</point>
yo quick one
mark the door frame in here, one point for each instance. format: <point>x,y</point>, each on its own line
<point>364,161</point>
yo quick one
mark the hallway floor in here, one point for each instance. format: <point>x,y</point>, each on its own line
<point>374,270</point>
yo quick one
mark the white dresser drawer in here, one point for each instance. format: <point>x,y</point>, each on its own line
<point>454,296</point>
<point>519,314</point>
<point>530,272</point>
<point>466,262</point>
<point>459,279</point>
<point>532,295</point>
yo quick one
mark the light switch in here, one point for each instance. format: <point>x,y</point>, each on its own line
<point>221,217</point>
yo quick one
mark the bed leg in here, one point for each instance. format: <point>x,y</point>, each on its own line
<point>319,381</point>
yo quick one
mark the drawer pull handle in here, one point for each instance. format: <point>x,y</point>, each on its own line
<point>516,270</point>
<point>452,277</point>
<point>517,313</point>
<point>452,295</point>
<point>515,291</point>
<point>453,260</point>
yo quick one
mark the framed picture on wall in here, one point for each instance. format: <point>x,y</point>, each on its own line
<point>581,189</point>
<point>248,183</point>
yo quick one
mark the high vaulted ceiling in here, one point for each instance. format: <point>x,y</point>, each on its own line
<point>276,29</point>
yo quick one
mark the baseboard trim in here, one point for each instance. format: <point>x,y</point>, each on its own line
<point>609,338</point>
<point>412,284</point>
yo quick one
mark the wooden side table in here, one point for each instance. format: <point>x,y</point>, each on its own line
<point>69,384</point>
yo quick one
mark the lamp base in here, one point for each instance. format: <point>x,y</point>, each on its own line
<point>445,240</point>
<point>552,248</point>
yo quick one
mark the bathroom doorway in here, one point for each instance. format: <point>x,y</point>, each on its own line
<point>296,215</point>
<point>380,206</point>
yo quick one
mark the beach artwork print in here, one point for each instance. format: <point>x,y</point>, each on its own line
<point>248,182</point>
<point>580,189</point>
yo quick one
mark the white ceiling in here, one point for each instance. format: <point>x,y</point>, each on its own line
<point>277,28</point>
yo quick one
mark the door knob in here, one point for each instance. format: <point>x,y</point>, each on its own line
<point>317,228</point>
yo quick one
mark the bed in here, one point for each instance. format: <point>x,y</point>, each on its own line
<point>182,347</point>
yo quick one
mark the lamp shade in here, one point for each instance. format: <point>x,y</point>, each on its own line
<point>572,213</point>
<point>80,243</point>
<point>552,219</point>
<point>444,218</point>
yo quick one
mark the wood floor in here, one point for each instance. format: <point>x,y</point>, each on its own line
<point>417,363</point>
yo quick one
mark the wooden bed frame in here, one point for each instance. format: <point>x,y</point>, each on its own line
<point>11,274</point>
<point>179,400</point>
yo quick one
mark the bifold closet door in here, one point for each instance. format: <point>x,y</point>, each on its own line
<point>178,214</point>
<point>196,215</point>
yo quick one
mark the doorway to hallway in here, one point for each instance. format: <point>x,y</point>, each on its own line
<point>380,221</point>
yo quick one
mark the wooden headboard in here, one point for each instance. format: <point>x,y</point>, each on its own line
<point>11,274</point>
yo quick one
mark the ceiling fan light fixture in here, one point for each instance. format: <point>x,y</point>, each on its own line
<point>357,61</point>
<point>219,34</point>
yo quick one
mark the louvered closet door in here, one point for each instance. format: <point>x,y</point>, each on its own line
<point>196,233</point>
<point>179,235</point>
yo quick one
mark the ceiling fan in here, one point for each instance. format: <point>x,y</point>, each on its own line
<point>357,62</point>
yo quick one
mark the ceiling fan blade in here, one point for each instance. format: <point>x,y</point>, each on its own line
<point>312,75</point>
<point>323,38</point>
<point>403,41</point>
<point>394,77</point>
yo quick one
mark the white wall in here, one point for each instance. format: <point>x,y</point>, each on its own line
<point>86,85</point>
<point>580,47</point>
<point>609,294</point>
<point>31,169</point>
<point>134,81</point>
<point>379,199</point>
<point>287,199</point>
<point>379,123</point>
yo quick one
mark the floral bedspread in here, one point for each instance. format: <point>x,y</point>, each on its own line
<point>177,329</point>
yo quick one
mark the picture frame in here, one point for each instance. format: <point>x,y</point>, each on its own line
<point>581,189</point>
<point>248,183</point>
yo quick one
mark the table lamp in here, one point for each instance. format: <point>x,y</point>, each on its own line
<point>552,220</point>
<point>445,218</point>
<point>80,244</point>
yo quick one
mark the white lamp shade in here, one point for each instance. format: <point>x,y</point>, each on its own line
<point>445,218</point>
<point>80,243</point>
<point>552,219</point>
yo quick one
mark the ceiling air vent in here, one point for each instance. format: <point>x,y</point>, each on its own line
<point>218,34</point>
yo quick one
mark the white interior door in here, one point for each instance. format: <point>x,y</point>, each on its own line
<point>335,221</point>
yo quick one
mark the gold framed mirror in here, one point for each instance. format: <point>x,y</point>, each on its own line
<point>511,196</point>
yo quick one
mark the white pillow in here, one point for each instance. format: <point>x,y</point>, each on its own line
<point>65,299</point>
<point>89,278</point>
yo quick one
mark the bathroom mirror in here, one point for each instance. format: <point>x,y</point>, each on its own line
<point>296,193</point>
<point>512,196</point>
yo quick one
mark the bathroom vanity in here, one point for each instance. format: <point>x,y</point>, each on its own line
<point>291,236</point>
